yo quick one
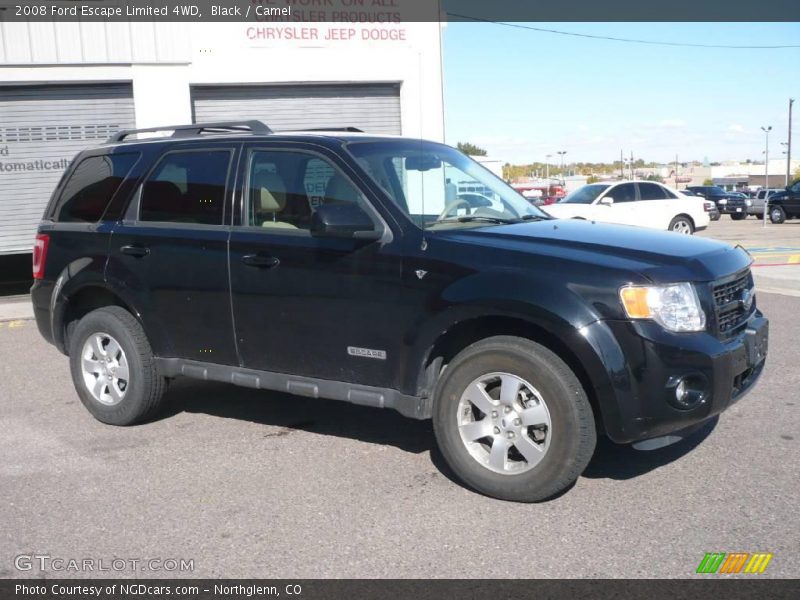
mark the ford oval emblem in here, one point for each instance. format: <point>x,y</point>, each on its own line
<point>746,299</point>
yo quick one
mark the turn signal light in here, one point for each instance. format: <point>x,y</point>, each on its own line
<point>635,301</point>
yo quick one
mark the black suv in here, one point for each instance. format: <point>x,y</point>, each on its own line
<point>346,266</point>
<point>785,204</point>
<point>729,204</point>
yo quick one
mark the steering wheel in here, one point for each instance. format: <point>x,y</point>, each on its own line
<point>453,206</point>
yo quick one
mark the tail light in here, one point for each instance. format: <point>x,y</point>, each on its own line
<point>707,206</point>
<point>40,254</point>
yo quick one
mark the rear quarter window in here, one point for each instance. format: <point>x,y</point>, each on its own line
<point>91,186</point>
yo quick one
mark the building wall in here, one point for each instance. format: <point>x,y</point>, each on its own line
<point>164,60</point>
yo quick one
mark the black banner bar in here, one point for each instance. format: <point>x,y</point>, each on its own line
<point>395,11</point>
<point>308,589</point>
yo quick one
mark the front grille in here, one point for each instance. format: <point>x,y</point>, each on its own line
<point>730,308</point>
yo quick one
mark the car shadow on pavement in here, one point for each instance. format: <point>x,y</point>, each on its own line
<point>613,461</point>
<point>387,427</point>
<point>288,413</point>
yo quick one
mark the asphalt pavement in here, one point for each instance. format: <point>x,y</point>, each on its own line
<point>257,484</point>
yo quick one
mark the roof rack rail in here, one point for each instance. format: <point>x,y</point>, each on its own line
<point>348,129</point>
<point>252,126</point>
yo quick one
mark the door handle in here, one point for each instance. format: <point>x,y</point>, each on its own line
<point>257,260</point>
<point>137,251</point>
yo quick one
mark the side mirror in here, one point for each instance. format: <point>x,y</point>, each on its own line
<point>607,201</point>
<point>343,221</point>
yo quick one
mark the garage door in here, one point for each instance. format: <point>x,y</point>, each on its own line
<point>41,130</point>
<point>375,108</point>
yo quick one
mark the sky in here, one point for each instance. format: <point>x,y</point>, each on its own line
<point>523,94</point>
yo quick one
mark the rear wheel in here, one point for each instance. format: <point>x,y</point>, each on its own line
<point>777,215</point>
<point>113,367</point>
<point>682,224</point>
<point>512,420</point>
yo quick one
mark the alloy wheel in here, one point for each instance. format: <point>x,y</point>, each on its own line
<point>504,423</point>
<point>105,369</point>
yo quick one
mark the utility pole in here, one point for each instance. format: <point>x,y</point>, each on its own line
<point>632,176</point>
<point>547,166</point>
<point>676,171</point>
<point>561,153</point>
<point>621,166</point>
<point>789,146</point>
<point>766,175</point>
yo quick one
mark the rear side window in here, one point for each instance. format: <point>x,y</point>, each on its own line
<point>187,187</point>
<point>651,191</point>
<point>91,186</point>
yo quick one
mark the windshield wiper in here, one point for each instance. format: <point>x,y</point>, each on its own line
<point>534,218</point>
<point>471,218</point>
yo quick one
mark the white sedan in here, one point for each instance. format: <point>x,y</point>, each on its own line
<point>642,203</point>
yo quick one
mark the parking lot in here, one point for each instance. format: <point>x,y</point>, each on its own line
<point>258,484</point>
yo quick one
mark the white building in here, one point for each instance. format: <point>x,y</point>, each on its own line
<point>68,85</point>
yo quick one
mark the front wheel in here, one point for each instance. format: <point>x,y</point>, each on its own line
<point>512,420</point>
<point>738,216</point>
<point>777,215</point>
<point>113,368</point>
<point>681,224</point>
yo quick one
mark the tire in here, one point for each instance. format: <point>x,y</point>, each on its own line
<point>777,215</point>
<point>114,336</point>
<point>738,216</point>
<point>681,224</point>
<point>565,446</point>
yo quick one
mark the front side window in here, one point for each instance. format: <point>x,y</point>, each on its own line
<point>91,186</point>
<point>438,186</point>
<point>585,195</point>
<point>187,187</point>
<point>623,193</point>
<point>284,188</point>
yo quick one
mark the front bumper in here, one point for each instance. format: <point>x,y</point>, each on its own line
<point>641,403</point>
<point>732,208</point>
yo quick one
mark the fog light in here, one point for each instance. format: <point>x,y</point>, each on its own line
<point>687,392</point>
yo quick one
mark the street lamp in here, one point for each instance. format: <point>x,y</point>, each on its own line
<point>766,131</point>
<point>561,153</point>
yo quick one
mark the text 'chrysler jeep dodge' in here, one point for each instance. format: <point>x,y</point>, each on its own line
<point>349,266</point>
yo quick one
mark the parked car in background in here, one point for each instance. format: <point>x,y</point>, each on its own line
<point>711,208</point>
<point>643,203</point>
<point>785,204</point>
<point>757,205</point>
<point>727,202</point>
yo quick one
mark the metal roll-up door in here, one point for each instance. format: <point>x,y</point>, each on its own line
<point>42,127</point>
<point>373,107</point>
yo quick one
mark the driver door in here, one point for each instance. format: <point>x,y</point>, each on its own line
<point>623,210</point>
<point>307,305</point>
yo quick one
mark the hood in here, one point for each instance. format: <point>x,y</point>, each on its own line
<point>658,256</point>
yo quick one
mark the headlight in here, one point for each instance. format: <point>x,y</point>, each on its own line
<point>723,201</point>
<point>675,307</point>
<point>748,202</point>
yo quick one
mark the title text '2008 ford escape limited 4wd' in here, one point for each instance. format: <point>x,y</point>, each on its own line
<point>348,266</point>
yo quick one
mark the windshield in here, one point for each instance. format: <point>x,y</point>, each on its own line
<point>439,187</point>
<point>585,195</point>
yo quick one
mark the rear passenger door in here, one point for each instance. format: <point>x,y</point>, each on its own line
<point>319,307</point>
<point>169,253</point>
<point>657,205</point>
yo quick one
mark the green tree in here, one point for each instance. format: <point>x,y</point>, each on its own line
<point>471,149</point>
<point>708,182</point>
<point>797,173</point>
<point>592,179</point>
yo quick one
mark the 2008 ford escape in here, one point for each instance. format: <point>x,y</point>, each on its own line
<point>392,273</point>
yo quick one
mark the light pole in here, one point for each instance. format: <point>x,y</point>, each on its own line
<point>561,153</point>
<point>766,131</point>
<point>547,176</point>
<point>789,145</point>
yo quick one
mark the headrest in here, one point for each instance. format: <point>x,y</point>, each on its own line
<point>269,192</point>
